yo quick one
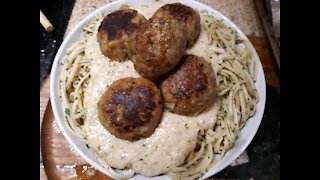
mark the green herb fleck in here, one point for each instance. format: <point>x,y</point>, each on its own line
<point>87,146</point>
<point>67,111</point>
<point>69,124</point>
<point>238,41</point>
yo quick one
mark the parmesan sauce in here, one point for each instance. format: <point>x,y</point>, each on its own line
<point>172,140</point>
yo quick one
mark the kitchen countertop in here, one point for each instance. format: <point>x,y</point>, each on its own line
<point>241,12</point>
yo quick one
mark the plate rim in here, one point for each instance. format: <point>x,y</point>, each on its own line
<point>55,76</point>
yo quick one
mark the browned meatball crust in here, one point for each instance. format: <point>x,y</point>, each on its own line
<point>116,32</point>
<point>159,45</point>
<point>191,87</point>
<point>183,15</point>
<point>131,108</point>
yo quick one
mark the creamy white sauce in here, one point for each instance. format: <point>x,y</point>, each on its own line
<point>172,140</point>
<point>147,10</point>
<point>202,47</point>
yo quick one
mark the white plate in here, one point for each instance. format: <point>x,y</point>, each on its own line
<point>245,135</point>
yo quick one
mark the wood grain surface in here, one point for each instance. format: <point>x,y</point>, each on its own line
<point>60,161</point>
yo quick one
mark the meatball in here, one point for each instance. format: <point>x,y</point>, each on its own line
<point>117,31</point>
<point>131,108</point>
<point>159,45</point>
<point>190,88</point>
<point>183,15</point>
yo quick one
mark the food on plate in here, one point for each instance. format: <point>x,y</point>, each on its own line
<point>216,82</point>
<point>162,40</point>
<point>191,87</point>
<point>158,47</point>
<point>116,32</point>
<point>131,108</point>
<point>183,16</point>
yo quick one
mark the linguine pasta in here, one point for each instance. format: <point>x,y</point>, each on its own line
<point>235,65</point>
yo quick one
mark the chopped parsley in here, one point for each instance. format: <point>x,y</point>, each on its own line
<point>69,123</point>
<point>238,41</point>
<point>67,111</point>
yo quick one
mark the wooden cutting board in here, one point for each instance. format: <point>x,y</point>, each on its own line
<point>61,161</point>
